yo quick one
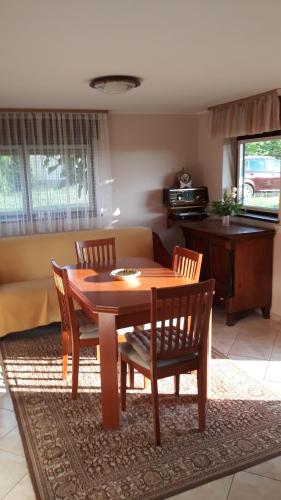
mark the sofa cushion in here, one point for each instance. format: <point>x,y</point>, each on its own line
<point>28,257</point>
<point>28,304</point>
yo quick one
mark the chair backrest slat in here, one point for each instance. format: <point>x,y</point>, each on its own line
<point>187,263</point>
<point>185,329</point>
<point>170,336</point>
<point>180,319</point>
<point>162,346</point>
<point>101,252</point>
<point>178,327</point>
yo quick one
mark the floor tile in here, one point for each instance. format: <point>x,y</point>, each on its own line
<point>273,372</point>
<point>3,388</point>
<point>6,401</point>
<point>246,486</point>
<point>258,345</point>
<point>255,321</point>
<point>12,442</point>
<point>255,368</point>
<point>275,387</point>
<point>223,337</point>
<point>270,468</point>
<point>22,491</point>
<point>216,490</point>
<point>7,422</point>
<point>261,330</point>
<point>219,316</point>
<point>12,469</point>
<point>277,343</point>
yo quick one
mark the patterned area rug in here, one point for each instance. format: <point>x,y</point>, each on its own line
<point>70,456</point>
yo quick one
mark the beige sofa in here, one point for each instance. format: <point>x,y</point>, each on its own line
<point>27,293</point>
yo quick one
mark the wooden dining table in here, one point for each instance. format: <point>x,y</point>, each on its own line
<point>118,304</point>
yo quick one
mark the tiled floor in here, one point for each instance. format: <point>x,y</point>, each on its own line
<point>254,345</point>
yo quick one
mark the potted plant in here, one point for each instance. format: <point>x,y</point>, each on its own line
<point>227,206</point>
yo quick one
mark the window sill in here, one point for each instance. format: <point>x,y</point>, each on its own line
<point>260,217</point>
<point>253,220</point>
<point>45,216</point>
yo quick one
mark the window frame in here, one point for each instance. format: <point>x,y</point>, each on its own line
<point>262,214</point>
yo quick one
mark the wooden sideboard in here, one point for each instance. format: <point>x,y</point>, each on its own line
<point>239,257</point>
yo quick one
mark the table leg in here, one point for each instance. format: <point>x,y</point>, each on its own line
<point>108,369</point>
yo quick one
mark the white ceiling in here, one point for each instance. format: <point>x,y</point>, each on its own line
<point>190,53</point>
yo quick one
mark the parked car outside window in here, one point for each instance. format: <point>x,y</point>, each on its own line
<point>261,173</point>
<point>258,175</point>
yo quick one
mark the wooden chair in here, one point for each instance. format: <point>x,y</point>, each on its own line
<point>101,252</point>
<point>187,263</point>
<point>176,343</point>
<point>77,329</point>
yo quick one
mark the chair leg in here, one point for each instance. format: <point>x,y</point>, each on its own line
<point>98,353</point>
<point>177,384</point>
<point>145,382</point>
<point>75,369</point>
<point>155,406</point>
<point>64,338</point>
<point>202,398</point>
<point>132,376</point>
<point>69,345</point>
<point>123,382</point>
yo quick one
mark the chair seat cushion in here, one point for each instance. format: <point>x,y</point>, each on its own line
<point>88,329</point>
<point>139,339</point>
<point>129,354</point>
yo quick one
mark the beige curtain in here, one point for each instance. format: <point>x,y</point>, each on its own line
<point>229,175</point>
<point>252,115</point>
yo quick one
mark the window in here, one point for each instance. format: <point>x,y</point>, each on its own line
<point>259,167</point>
<point>33,184</point>
<point>54,171</point>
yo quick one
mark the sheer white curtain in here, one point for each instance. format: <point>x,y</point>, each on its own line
<point>54,172</point>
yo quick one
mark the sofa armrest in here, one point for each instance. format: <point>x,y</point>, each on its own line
<point>161,255</point>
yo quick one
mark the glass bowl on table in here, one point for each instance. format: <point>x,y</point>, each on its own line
<point>125,274</point>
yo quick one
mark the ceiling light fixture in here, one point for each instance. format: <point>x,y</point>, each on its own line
<point>115,84</point>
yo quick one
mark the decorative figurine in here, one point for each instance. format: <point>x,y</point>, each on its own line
<point>184,179</point>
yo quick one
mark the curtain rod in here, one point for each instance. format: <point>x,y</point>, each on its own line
<point>243,99</point>
<point>47,110</point>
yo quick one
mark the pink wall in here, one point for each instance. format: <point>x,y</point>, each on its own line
<point>146,152</point>
<point>209,157</point>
